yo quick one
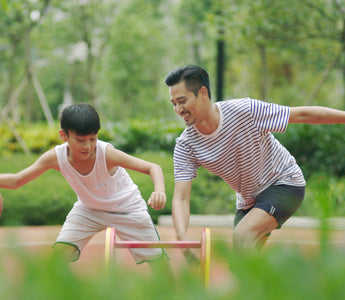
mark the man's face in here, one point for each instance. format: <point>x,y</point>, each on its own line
<point>185,102</point>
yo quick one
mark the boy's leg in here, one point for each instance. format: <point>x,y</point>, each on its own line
<point>137,226</point>
<point>65,252</point>
<point>162,267</point>
<point>79,227</point>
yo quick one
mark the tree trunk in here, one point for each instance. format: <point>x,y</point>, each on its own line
<point>43,100</point>
<point>343,59</point>
<point>323,80</point>
<point>15,133</point>
<point>263,84</point>
<point>220,66</point>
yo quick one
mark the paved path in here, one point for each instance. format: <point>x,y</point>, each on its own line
<point>228,220</point>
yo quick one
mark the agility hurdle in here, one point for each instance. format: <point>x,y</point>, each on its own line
<point>204,245</point>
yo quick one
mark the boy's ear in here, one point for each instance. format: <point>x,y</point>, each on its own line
<point>63,135</point>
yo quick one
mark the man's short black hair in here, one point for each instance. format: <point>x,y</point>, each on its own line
<point>81,118</point>
<point>193,76</point>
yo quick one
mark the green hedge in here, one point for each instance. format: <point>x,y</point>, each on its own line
<point>37,137</point>
<point>48,199</point>
<point>317,148</point>
<point>136,136</point>
<point>132,136</point>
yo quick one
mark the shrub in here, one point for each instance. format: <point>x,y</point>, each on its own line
<point>44,201</point>
<point>38,138</point>
<point>321,159</point>
<point>48,199</point>
<point>136,136</point>
<point>317,148</point>
<point>133,136</point>
<point>210,195</point>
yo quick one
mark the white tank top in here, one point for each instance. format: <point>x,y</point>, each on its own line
<point>98,190</point>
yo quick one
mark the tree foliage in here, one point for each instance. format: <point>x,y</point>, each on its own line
<point>115,54</point>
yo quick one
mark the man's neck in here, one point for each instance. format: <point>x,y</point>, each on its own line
<point>210,123</point>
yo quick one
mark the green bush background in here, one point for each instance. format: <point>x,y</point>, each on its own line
<point>47,200</point>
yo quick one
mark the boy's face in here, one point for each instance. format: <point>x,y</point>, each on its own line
<point>81,146</point>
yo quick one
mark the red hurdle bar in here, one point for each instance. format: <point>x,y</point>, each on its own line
<point>161,244</point>
<point>204,244</point>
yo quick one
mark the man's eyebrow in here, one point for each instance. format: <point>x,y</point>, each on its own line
<point>178,98</point>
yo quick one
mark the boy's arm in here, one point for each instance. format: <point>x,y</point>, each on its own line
<point>42,164</point>
<point>118,158</point>
<point>316,115</point>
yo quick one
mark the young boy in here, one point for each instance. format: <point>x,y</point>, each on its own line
<point>106,194</point>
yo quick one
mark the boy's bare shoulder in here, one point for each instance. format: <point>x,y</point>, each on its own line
<point>110,153</point>
<point>49,159</point>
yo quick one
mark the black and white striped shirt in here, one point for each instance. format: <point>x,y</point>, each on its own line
<point>242,151</point>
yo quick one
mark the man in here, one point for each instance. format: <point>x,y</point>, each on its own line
<point>232,139</point>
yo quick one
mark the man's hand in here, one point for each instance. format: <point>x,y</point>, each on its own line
<point>0,205</point>
<point>157,200</point>
<point>191,258</point>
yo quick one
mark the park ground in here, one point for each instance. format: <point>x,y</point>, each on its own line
<point>300,232</point>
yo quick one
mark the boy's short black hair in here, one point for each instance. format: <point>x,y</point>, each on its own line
<point>193,76</point>
<point>81,118</point>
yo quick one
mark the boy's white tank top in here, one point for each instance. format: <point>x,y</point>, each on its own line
<point>98,190</point>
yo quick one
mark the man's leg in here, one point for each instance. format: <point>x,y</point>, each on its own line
<point>272,208</point>
<point>251,232</point>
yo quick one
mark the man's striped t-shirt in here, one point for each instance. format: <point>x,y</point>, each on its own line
<point>242,151</point>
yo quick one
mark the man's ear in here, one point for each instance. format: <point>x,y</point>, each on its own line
<point>63,135</point>
<point>204,92</point>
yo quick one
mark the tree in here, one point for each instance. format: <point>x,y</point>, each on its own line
<point>329,26</point>
<point>133,61</point>
<point>19,18</point>
<point>87,28</point>
<point>280,29</point>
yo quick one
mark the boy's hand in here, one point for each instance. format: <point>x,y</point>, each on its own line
<point>157,200</point>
